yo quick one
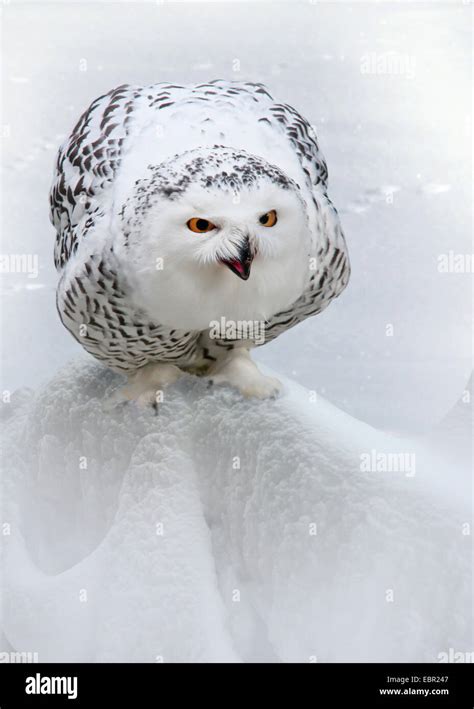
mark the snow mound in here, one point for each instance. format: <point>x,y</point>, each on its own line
<point>223,530</point>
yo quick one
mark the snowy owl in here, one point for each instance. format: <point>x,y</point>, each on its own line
<point>192,225</point>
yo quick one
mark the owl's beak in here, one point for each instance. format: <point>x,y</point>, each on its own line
<point>241,265</point>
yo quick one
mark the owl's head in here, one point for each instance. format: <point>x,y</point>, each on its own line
<point>221,230</point>
<point>216,208</point>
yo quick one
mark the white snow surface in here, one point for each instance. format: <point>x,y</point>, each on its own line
<point>163,548</point>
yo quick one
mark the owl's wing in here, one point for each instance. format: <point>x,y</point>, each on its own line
<point>328,273</point>
<point>88,160</point>
<point>302,136</point>
<point>286,120</point>
<point>85,168</point>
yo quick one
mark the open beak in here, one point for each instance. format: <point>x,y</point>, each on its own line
<point>241,265</point>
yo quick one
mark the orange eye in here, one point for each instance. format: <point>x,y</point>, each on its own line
<point>269,219</point>
<point>200,226</point>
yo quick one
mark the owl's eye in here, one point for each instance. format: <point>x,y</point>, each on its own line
<point>269,219</point>
<point>200,226</point>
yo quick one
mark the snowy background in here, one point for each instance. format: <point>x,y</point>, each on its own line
<point>127,537</point>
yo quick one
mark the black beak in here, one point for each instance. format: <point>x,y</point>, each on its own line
<point>241,265</point>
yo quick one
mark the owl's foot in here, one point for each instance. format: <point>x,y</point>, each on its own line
<point>240,371</point>
<point>146,386</point>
